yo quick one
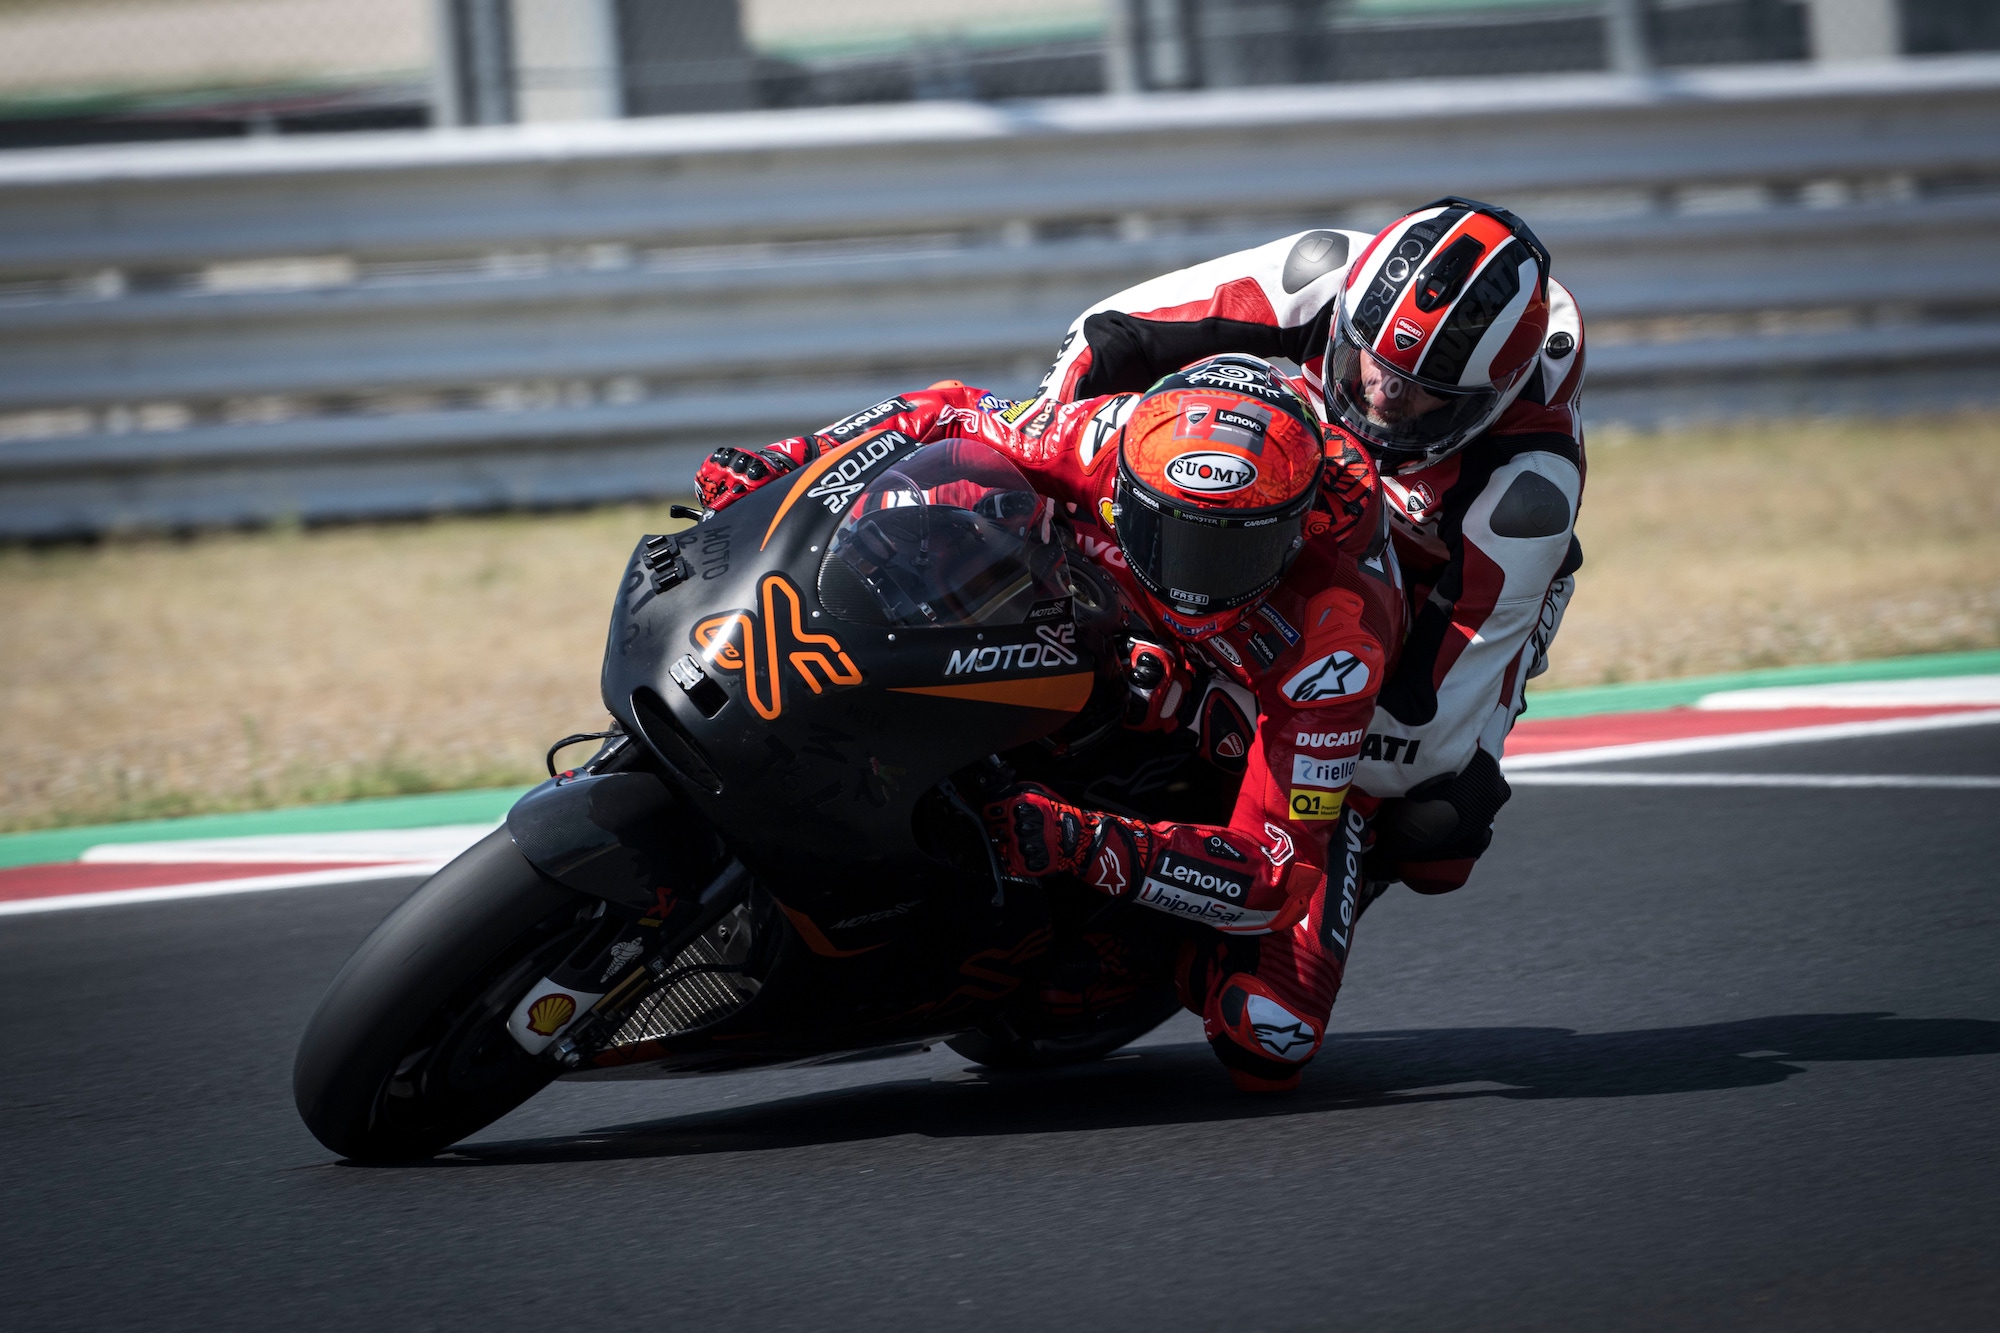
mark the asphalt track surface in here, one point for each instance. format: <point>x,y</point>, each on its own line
<point>1679,1058</point>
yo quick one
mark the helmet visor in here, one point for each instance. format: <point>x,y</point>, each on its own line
<point>1404,417</point>
<point>1201,563</point>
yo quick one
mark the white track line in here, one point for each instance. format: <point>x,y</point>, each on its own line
<point>305,879</point>
<point>1935,691</point>
<point>1836,780</point>
<point>1749,740</point>
<point>439,843</point>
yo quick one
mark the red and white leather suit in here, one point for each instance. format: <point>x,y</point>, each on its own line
<point>1485,538</point>
<point>1296,680</point>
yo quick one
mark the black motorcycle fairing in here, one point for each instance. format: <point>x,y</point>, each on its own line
<point>808,740</point>
<point>616,836</point>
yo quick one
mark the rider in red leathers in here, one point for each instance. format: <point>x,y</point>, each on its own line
<point>1442,345</point>
<point>1250,544</point>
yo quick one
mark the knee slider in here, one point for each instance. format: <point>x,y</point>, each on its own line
<point>1256,1035</point>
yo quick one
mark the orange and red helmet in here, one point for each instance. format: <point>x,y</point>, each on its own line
<point>1437,328</point>
<point>1216,472</point>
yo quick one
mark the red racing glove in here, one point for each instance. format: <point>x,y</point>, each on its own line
<point>1038,833</point>
<point>1217,876</point>
<point>730,474</point>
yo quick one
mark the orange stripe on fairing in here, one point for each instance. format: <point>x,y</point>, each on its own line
<point>816,939</point>
<point>811,475</point>
<point>1058,694</point>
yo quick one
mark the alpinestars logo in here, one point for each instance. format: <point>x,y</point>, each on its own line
<point>1408,334</point>
<point>1278,1030</point>
<point>1107,872</point>
<point>1103,428</point>
<point>1335,676</point>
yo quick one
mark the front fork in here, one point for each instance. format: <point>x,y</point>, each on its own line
<point>594,988</point>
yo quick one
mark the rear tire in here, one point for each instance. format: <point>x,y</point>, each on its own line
<point>1000,1047</point>
<point>409,1051</point>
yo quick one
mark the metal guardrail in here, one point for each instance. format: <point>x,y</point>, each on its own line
<point>382,324</point>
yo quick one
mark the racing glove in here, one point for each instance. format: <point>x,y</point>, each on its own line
<point>1159,685</point>
<point>1431,837</point>
<point>730,474</point>
<point>1216,876</point>
<point>1038,833</point>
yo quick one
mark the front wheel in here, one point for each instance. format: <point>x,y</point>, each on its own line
<point>409,1050</point>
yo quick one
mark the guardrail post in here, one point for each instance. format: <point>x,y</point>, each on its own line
<point>474,79</point>
<point>1628,43</point>
<point>1165,42</point>
<point>1121,53</point>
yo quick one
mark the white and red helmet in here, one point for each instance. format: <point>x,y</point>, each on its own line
<point>1437,328</point>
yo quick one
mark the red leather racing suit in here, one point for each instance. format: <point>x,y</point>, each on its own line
<point>1485,538</point>
<point>1290,689</point>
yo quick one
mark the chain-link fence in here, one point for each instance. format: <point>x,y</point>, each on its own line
<point>80,70</point>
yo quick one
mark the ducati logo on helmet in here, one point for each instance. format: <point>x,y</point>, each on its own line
<point>1408,334</point>
<point>1205,472</point>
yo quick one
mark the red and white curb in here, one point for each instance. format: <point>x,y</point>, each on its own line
<point>149,872</point>
<point>1551,752</point>
<point>1555,752</point>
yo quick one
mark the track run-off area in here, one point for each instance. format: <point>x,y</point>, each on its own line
<point>1712,1040</point>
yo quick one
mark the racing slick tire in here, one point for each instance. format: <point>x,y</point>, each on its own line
<point>408,1050</point>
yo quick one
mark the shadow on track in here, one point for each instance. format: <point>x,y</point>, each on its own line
<point>1182,1084</point>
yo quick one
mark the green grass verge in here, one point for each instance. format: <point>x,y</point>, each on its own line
<point>397,812</point>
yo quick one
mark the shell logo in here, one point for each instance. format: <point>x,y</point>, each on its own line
<point>547,1015</point>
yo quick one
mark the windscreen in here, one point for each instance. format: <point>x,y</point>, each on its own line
<point>952,535</point>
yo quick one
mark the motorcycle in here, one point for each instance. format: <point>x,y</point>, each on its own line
<point>775,854</point>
